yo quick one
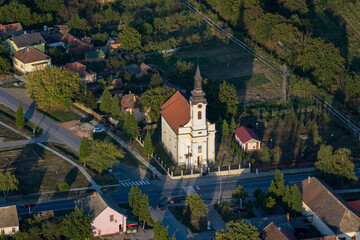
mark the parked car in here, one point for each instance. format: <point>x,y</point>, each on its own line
<point>163,203</point>
<point>99,129</point>
<point>87,118</point>
<point>28,204</point>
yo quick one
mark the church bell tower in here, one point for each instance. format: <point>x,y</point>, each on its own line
<point>198,104</point>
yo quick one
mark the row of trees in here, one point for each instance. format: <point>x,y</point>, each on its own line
<point>139,204</point>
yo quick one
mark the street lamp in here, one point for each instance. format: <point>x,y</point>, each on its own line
<point>257,125</point>
<point>271,142</point>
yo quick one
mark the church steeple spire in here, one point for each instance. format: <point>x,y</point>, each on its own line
<point>197,95</point>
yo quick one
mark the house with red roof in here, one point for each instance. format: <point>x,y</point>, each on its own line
<point>186,134</point>
<point>86,74</point>
<point>247,139</point>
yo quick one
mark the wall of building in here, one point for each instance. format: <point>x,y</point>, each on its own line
<point>169,139</point>
<point>9,230</point>
<point>316,221</point>
<point>251,144</point>
<point>29,67</point>
<point>103,226</point>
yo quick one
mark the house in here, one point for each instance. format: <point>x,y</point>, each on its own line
<point>86,75</point>
<point>9,221</point>
<point>107,217</point>
<point>95,56</point>
<point>186,134</point>
<point>74,44</point>
<point>281,221</point>
<point>32,40</point>
<point>130,103</point>
<point>247,139</point>
<point>141,69</point>
<point>114,48</point>
<point>327,212</point>
<point>273,232</point>
<point>30,59</point>
<point>8,30</point>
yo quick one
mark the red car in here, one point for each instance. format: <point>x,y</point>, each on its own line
<point>28,204</point>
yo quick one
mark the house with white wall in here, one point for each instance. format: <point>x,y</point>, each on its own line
<point>327,211</point>
<point>108,217</point>
<point>30,59</point>
<point>247,139</point>
<point>9,221</point>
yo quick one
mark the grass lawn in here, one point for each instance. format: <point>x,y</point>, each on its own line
<point>224,156</point>
<point>9,135</point>
<point>178,212</point>
<point>249,82</point>
<point>60,115</point>
<point>39,170</point>
<point>8,116</point>
<point>104,178</point>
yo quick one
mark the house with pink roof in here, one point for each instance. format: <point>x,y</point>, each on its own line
<point>247,139</point>
<point>108,217</point>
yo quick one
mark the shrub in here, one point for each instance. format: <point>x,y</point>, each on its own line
<point>261,197</point>
<point>256,192</point>
<point>249,205</point>
<point>63,187</point>
<point>269,204</point>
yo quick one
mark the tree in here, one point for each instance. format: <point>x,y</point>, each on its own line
<point>286,199</point>
<point>195,208</point>
<point>228,96</point>
<point>218,124</point>
<point>115,107</point>
<point>19,118</point>
<point>148,147</point>
<point>59,56</point>
<point>296,201</point>
<point>156,81</point>
<point>106,102</point>
<point>277,154</point>
<point>8,182</point>
<point>238,230</point>
<point>295,5</point>
<point>315,134</point>
<point>47,6</point>
<point>78,23</point>
<point>135,199</point>
<point>160,232</point>
<point>130,39</point>
<point>265,155</point>
<point>153,99</point>
<point>63,186</point>
<point>269,204</point>
<point>225,128</point>
<point>67,103</point>
<point>240,194</point>
<point>277,187</point>
<point>76,225</point>
<point>335,165</point>
<point>232,125</point>
<point>104,155</point>
<point>51,85</point>
<point>85,150</point>
<point>131,127</point>
<point>144,212</point>
<point>4,66</point>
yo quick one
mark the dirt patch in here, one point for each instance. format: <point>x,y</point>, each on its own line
<point>78,129</point>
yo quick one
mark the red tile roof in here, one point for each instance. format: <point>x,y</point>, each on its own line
<point>176,111</point>
<point>273,232</point>
<point>78,68</point>
<point>12,27</point>
<point>355,205</point>
<point>246,134</point>
<point>30,55</point>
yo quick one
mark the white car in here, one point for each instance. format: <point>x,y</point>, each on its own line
<point>99,129</point>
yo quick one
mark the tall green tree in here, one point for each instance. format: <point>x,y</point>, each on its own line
<point>131,127</point>
<point>144,212</point>
<point>130,39</point>
<point>77,225</point>
<point>85,150</point>
<point>78,24</point>
<point>240,194</point>
<point>337,165</point>
<point>49,6</point>
<point>196,209</point>
<point>315,135</point>
<point>8,182</point>
<point>4,65</point>
<point>160,232</point>
<point>135,197</point>
<point>19,118</point>
<point>265,155</point>
<point>277,187</point>
<point>228,96</point>
<point>232,125</point>
<point>277,153</point>
<point>52,85</point>
<point>153,99</point>
<point>148,146</point>
<point>156,81</point>
<point>295,5</point>
<point>296,201</point>
<point>115,107</point>
<point>104,155</point>
<point>238,230</point>
<point>106,102</point>
<point>269,204</point>
<point>225,128</point>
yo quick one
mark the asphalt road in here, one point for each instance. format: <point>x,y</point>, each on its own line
<point>51,130</point>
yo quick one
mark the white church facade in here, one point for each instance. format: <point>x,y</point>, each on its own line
<point>186,134</point>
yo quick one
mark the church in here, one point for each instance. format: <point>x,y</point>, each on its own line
<point>186,134</point>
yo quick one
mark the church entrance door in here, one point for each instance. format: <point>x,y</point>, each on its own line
<point>199,161</point>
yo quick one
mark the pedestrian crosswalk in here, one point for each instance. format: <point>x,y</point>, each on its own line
<point>133,183</point>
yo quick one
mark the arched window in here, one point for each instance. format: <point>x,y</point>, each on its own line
<point>199,114</point>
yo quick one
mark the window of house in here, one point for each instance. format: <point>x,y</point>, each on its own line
<point>13,230</point>
<point>199,149</point>
<point>199,114</point>
<point>111,218</point>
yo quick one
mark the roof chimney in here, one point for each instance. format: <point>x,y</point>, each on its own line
<point>309,179</point>
<point>94,194</point>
